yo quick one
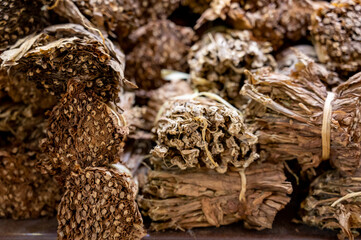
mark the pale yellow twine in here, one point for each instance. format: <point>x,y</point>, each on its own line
<point>326,126</point>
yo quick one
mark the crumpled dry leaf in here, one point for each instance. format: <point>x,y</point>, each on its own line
<point>99,203</point>
<point>158,45</point>
<point>336,34</point>
<point>288,112</point>
<point>319,209</point>
<point>82,131</point>
<point>176,199</point>
<point>218,62</point>
<point>194,131</point>
<point>275,21</point>
<point>65,51</point>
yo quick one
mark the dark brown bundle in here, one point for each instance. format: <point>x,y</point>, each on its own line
<point>19,18</point>
<point>334,202</point>
<point>152,10</point>
<point>24,191</point>
<point>99,203</point>
<point>336,33</point>
<point>194,131</point>
<point>298,118</point>
<point>218,62</point>
<point>202,197</point>
<point>62,52</point>
<point>82,131</point>
<point>158,45</point>
<point>275,21</point>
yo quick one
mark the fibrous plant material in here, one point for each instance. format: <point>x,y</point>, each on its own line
<point>152,10</point>
<point>297,118</point>
<point>194,131</point>
<point>218,62</point>
<point>334,202</point>
<point>336,34</point>
<point>18,18</point>
<point>99,203</point>
<point>82,131</point>
<point>275,21</point>
<point>197,6</point>
<point>177,199</point>
<point>158,45</point>
<point>62,52</point>
<point>24,191</point>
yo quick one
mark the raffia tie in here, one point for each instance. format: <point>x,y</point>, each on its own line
<point>326,126</point>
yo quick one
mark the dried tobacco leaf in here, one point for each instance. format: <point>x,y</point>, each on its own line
<point>194,131</point>
<point>62,52</point>
<point>336,34</point>
<point>334,202</point>
<point>218,62</point>
<point>82,131</point>
<point>158,45</point>
<point>19,18</point>
<point>24,191</point>
<point>99,203</point>
<point>176,199</point>
<point>288,112</point>
<point>275,21</point>
<point>152,10</point>
<point>197,6</point>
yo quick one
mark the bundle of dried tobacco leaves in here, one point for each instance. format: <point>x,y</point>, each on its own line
<point>195,131</point>
<point>99,203</point>
<point>218,62</point>
<point>158,45</point>
<point>334,202</point>
<point>62,52</point>
<point>176,199</point>
<point>275,21</point>
<point>83,131</point>
<point>297,118</point>
<point>336,34</point>
<point>19,18</point>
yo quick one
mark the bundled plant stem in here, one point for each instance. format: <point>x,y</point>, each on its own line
<point>83,131</point>
<point>198,131</point>
<point>176,199</point>
<point>158,45</point>
<point>218,62</point>
<point>62,52</point>
<point>336,34</point>
<point>99,203</point>
<point>297,118</point>
<point>334,202</point>
<point>275,21</point>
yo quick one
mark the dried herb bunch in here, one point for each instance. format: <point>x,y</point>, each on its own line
<point>288,111</point>
<point>336,34</point>
<point>19,18</point>
<point>218,61</point>
<point>24,191</point>
<point>194,131</point>
<point>275,21</point>
<point>334,203</point>
<point>82,131</point>
<point>158,45</point>
<point>198,198</point>
<point>99,203</point>
<point>62,52</point>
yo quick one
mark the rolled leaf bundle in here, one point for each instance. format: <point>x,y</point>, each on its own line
<point>297,118</point>
<point>218,61</point>
<point>99,203</point>
<point>19,18</point>
<point>176,199</point>
<point>158,45</point>
<point>62,52</point>
<point>336,34</point>
<point>334,202</point>
<point>152,10</point>
<point>275,21</point>
<point>195,131</point>
<point>24,191</point>
<point>82,131</point>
